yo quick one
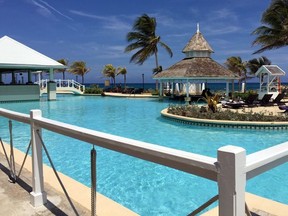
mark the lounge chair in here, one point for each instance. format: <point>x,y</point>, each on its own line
<point>283,107</point>
<point>278,99</point>
<point>251,99</point>
<point>234,104</point>
<point>265,101</point>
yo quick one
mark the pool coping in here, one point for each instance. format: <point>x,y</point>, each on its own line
<point>225,123</point>
<point>112,94</point>
<point>259,205</point>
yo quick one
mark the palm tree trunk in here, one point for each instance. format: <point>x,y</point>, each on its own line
<point>124,80</point>
<point>82,79</point>
<point>63,73</point>
<point>156,61</point>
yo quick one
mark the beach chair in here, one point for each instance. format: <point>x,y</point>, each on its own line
<point>278,99</point>
<point>233,104</point>
<point>265,101</point>
<point>251,100</point>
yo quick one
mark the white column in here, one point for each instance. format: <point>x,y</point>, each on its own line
<point>51,74</point>
<point>231,180</point>
<point>161,89</point>
<point>187,88</point>
<point>227,89</point>
<point>30,77</point>
<point>233,89</point>
<point>268,84</point>
<point>38,195</point>
<point>187,98</point>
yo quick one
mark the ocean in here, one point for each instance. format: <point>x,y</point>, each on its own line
<point>212,86</point>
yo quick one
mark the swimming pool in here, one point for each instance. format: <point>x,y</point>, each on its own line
<point>144,187</point>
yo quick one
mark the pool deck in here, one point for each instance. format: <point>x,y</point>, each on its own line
<point>268,110</point>
<point>15,198</point>
<point>259,206</point>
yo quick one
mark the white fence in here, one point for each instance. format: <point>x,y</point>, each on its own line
<point>63,86</point>
<point>230,169</point>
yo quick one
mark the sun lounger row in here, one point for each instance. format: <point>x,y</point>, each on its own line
<point>252,101</point>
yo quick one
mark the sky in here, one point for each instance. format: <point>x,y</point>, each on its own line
<point>95,31</point>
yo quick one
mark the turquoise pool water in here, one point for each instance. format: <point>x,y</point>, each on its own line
<point>144,187</point>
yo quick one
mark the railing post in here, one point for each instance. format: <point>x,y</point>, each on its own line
<point>38,195</point>
<point>231,180</point>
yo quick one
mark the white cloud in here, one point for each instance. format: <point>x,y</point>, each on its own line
<point>220,30</point>
<point>236,52</point>
<point>194,12</point>
<point>42,9</point>
<point>178,35</point>
<point>109,22</point>
<point>47,10</point>
<point>224,13</point>
<point>113,52</point>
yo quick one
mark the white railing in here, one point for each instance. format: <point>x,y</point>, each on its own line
<point>231,169</point>
<point>63,86</point>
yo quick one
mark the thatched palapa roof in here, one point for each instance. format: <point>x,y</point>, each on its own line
<point>196,68</point>
<point>197,43</point>
<point>198,65</point>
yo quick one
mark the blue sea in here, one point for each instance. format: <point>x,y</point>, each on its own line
<point>212,86</point>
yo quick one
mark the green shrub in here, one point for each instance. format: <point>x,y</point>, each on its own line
<point>243,96</point>
<point>93,89</point>
<point>194,111</point>
<point>153,91</point>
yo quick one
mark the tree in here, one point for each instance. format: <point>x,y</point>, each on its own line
<point>79,68</point>
<point>274,34</point>
<point>236,65</point>
<point>122,71</point>
<point>110,71</point>
<point>254,64</point>
<point>65,63</point>
<point>144,40</point>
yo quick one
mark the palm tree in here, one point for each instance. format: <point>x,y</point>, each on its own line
<point>144,40</point>
<point>255,64</point>
<point>110,71</point>
<point>79,68</point>
<point>236,65</point>
<point>122,71</point>
<point>275,34</point>
<point>65,63</point>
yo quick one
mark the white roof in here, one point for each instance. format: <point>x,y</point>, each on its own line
<point>16,55</point>
<point>273,70</point>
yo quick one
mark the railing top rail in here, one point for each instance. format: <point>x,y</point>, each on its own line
<point>261,161</point>
<point>200,165</point>
<point>188,162</point>
<point>15,116</point>
<point>68,80</point>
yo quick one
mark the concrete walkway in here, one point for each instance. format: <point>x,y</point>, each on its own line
<point>15,197</point>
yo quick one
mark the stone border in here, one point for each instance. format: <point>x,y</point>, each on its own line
<point>226,124</point>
